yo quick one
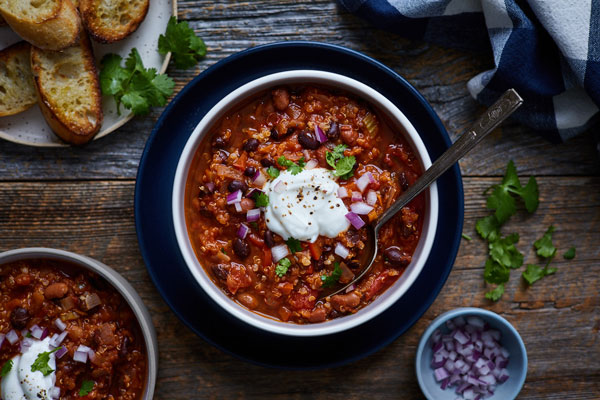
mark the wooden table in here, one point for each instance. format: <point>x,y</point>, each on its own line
<point>81,199</point>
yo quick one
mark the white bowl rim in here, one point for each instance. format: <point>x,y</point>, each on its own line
<point>386,299</point>
<point>118,282</point>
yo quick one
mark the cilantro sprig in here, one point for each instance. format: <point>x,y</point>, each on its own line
<point>86,388</point>
<point>545,249</point>
<point>186,48</point>
<point>282,267</point>
<point>6,368</point>
<point>41,362</point>
<point>273,172</point>
<point>569,254</point>
<point>293,244</point>
<point>330,280</point>
<point>341,164</point>
<point>261,199</point>
<point>136,87</point>
<point>294,168</point>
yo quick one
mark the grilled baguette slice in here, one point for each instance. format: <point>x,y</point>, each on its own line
<point>47,24</point>
<point>108,21</point>
<point>68,91</point>
<point>17,92</point>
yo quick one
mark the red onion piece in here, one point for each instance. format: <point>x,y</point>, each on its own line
<point>356,196</point>
<point>210,186</point>
<point>361,208</point>
<point>278,252</point>
<point>2,336</point>
<point>59,324</point>
<point>44,334</point>
<point>311,164</point>
<point>60,338</point>
<point>253,192</point>
<point>356,221</point>
<point>80,356</point>
<point>440,374</point>
<point>341,251</point>
<point>243,231</point>
<point>364,181</point>
<point>55,393</point>
<point>91,355</point>
<point>234,197</point>
<point>25,344</point>
<point>342,193</point>
<point>253,215</point>
<point>319,134</point>
<point>259,179</point>
<point>238,207</point>
<point>61,352</point>
<point>12,337</point>
<point>279,187</point>
<point>36,332</point>
<point>350,288</point>
<point>371,198</point>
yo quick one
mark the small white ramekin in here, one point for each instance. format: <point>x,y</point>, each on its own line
<point>396,117</point>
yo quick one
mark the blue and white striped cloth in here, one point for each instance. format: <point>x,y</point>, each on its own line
<point>548,50</point>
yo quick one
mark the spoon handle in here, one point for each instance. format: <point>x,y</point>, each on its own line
<point>493,116</point>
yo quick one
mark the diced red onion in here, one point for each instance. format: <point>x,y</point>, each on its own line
<point>253,215</point>
<point>59,324</point>
<point>459,321</point>
<point>475,321</point>
<point>253,192</point>
<point>259,179</point>
<point>278,252</point>
<point>12,337</point>
<point>356,196</point>
<point>436,336</point>
<point>461,337</point>
<point>60,338</point>
<point>311,164</point>
<point>91,355</point>
<point>371,198</point>
<point>2,336</point>
<point>342,193</point>
<point>210,186</point>
<point>440,374</point>
<point>242,231</point>
<point>361,208</point>
<point>364,181</point>
<point>279,187</point>
<point>55,393</point>
<point>61,352</point>
<point>341,251</point>
<point>234,197</point>
<point>36,332</point>
<point>356,221</point>
<point>80,356</point>
<point>83,348</point>
<point>238,207</point>
<point>25,344</point>
<point>321,137</point>
<point>350,288</point>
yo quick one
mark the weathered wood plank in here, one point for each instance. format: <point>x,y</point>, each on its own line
<point>231,26</point>
<point>558,317</point>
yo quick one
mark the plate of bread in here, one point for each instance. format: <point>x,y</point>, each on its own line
<point>50,52</point>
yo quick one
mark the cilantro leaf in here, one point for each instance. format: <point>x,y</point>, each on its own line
<point>530,195</point>
<point>294,245</point>
<point>488,227</point>
<point>6,368</point>
<point>332,156</point>
<point>86,388</point>
<point>134,86</point>
<point>186,48</point>
<point>544,245</point>
<point>501,201</point>
<point>569,254</point>
<point>503,251</point>
<point>294,168</point>
<point>495,272</point>
<point>282,267</point>
<point>330,280</point>
<point>273,172</point>
<point>41,363</point>
<point>534,273</point>
<point>343,165</point>
<point>466,237</point>
<point>496,293</point>
<point>261,200</point>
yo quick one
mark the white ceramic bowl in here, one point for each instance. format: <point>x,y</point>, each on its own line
<point>396,118</point>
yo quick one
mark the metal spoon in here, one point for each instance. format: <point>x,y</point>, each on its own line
<point>493,116</point>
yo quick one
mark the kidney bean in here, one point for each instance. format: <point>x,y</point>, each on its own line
<point>396,257</point>
<point>220,272</point>
<point>251,145</point>
<point>250,171</point>
<point>334,131</point>
<point>236,184</point>
<point>345,302</point>
<point>241,248</point>
<point>56,291</point>
<point>269,240</point>
<point>19,317</point>
<point>308,141</point>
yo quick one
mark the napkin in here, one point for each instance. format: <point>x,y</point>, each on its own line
<point>548,50</point>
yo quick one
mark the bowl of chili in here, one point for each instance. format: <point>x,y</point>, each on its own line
<point>74,328</point>
<point>272,192</point>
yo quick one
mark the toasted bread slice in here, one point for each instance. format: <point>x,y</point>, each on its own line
<point>68,90</point>
<point>17,92</point>
<point>108,21</point>
<point>47,24</point>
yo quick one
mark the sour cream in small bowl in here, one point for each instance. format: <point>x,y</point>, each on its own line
<point>299,199</point>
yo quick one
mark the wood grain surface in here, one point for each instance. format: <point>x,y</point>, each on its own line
<point>81,199</point>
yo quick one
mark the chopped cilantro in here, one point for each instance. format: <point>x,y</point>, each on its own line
<point>330,280</point>
<point>294,168</point>
<point>273,172</point>
<point>261,200</point>
<point>496,293</point>
<point>544,245</point>
<point>343,165</point>
<point>282,267</point>
<point>185,47</point>
<point>488,227</point>
<point>495,272</point>
<point>534,272</point>
<point>86,388</point>
<point>41,363</point>
<point>294,245</point>
<point>6,368</point>
<point>466,237</point>
<point>569,254</point>
<point>501,199</point>
<point>503,251</point>
<point>254,224</point>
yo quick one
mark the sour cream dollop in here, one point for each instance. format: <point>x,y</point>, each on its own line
<point>21,383</point>
<point>305,205</point>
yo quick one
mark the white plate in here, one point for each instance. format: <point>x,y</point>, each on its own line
<point>30,128</point>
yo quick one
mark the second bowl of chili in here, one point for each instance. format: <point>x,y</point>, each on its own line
<point>273,190</point>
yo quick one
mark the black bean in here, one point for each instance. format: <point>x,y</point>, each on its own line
<point>274,134</point>
<point>237,185</point>
<point>220,272</point>
<point>353,264</point>
<point>220,142</point>
<point>250,171</point>
<point>241,248</point>
<point>267,162</point>
<point>251,145</point>
<point>269,240</point>
<point>308,141</point>
<point>19,318</point>
<point>396,257</point>
<point>334,131</point>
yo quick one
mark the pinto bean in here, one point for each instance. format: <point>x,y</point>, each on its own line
<point>248,300</point>
<point>349,135</point>
<point>281,99</point>
<point>19,317</point>
<point>345,302</point>
<point>56,291</point>
<point>23,279</point>
<point>396,257</point>
<point>318,315</point>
